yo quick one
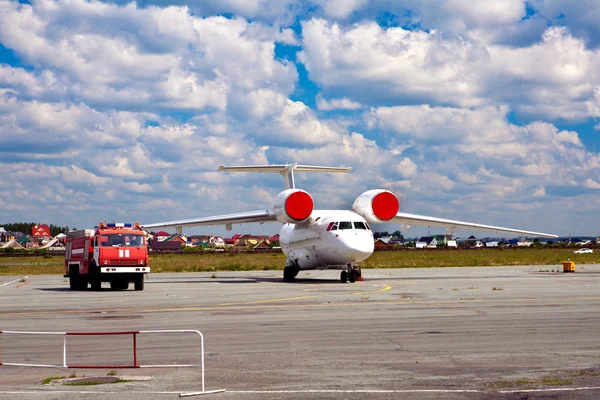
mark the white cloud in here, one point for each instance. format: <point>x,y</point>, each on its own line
<point>485,153</point>
<point>164,58</point>
<point>337,104</point>
<point>554,78</point>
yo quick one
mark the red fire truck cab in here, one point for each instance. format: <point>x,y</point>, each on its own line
<point>114,253</point>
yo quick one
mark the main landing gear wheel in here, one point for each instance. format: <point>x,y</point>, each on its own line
<point>352,275</point>
<point>289,273</point>
<point>344,276</point>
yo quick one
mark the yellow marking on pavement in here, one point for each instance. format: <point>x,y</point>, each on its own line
<point>385,289</point>
<point>406,302</point>
<point>22,284</point>
<point>268,301</point>
<point>298,298</point>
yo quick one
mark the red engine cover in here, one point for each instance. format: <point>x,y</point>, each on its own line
<point>293,206</point>
<point>299,205</point>
<point>385,206</point>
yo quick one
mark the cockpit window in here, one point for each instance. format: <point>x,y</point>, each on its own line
<point>332,226</point>
<point>346,225</point>
<point>360,225</point>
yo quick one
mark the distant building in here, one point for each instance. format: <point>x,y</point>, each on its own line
<point>160,236</point>
<point>491,244</point>
<point>176,237</point>
<point>263,245</point>
<point>6,236</point>
<point>251,240</point>
<point>41,232</point>
<point>426,242</point>
<point>380,244</point>
<point>451,243</point>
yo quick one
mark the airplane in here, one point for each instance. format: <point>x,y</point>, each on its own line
<point>327,239</point>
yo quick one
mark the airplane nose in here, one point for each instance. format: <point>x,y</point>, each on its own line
<point>358,248</point>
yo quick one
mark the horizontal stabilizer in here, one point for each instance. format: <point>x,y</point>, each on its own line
<point>286,170</point>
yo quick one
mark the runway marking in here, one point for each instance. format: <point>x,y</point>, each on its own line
<point>13,281</point>
<point>22,284</point>
<point>406,302</point>
<point>268,301</point>
<point>45,391</point>
<point>299,298</point>
<point>569,389</point>
<point>385,289</point>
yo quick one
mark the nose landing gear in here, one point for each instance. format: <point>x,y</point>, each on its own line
<point>353,274</point>
<point>289,273</point>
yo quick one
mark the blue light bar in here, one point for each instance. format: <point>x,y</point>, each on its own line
<point>111,225</point>
<point>127,225</point>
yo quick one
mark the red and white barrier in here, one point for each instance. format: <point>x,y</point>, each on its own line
<point>134,353</point>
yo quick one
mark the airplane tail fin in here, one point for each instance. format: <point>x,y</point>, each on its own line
<point>286,170</point>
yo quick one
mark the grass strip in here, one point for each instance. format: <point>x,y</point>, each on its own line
<point>213,262</point>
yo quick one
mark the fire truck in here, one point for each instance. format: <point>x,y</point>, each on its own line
<point>114,253</point>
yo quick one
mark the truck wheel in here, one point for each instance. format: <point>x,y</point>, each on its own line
<point>82,282</point>
<point>139,283</point>
<point>73,278</point>
<point>96,283</point>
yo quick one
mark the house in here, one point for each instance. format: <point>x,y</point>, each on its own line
<point>162,235</point>
<point>471,242</point>
<point>54,245</point>
<point>491,244</point>
<point>442,239</point>
<point>41,232</point>
<point>205,241</point>
<point>426,242</point>
<point>274,238</point>
<point>6,236</point>
<point>198,240</point>
<point>524,243</point>
<point>232,241</point>
<point>251,240</point>
<point>451,243</point>
<point>25,242</point>
<point>10,244</point>
<point>176,237</point>
<point>381,244</point>
<point>263,245</point>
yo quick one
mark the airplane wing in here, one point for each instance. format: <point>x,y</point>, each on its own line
<point>423,220</point>
<point>228,219</point>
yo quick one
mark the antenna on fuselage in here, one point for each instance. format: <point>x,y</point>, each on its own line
<point>285,170</point>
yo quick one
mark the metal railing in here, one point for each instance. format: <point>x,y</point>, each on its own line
<point>135,363</point>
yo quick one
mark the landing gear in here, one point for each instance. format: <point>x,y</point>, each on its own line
<point>353,274</point>
<point>344,276</point>
<point>289,273</point>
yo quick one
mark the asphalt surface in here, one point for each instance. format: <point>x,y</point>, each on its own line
<point>439,333</point>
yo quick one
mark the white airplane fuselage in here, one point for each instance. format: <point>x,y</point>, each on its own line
<point>330,239</point>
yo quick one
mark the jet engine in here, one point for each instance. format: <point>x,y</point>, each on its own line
<point>376,206</point>
<point>293,206</point>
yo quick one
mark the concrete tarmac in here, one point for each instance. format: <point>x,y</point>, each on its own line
<point>435,333</point>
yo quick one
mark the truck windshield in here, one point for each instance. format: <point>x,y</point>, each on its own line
<point>122,240</point>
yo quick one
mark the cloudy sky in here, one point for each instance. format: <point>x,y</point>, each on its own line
<point>475,110</point>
